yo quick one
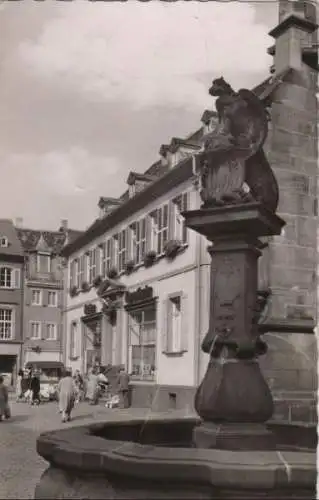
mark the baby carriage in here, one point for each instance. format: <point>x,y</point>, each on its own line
<point>112,401</point>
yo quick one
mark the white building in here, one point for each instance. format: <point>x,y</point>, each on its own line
<point>160,291</point>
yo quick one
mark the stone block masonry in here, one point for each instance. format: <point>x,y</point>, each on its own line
<point>292,149</point>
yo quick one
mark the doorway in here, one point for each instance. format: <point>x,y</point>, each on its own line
<point>8,366</point>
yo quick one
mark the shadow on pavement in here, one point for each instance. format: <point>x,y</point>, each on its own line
<point>18,418</point>
<point>75,418</point>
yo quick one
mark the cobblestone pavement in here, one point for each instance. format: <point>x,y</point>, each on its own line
<point>20,466</point>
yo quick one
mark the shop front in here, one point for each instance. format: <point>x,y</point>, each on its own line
<point>9,362</point>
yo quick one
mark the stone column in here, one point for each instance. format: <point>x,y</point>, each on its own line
<point>106,341</point>
<point>233,400</point>
<point>119,335</point>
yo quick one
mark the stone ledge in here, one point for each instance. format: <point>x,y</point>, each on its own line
<point>80,451</point>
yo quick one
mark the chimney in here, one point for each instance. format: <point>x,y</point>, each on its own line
<point>64,225</point>
<point>19,222</point>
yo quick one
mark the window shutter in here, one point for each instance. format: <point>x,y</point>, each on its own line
<point>149,225</point>
<point>13,324</point>
<point>78,342</point>
<point>27,296</point>
<point>185,323</point>
<point>171,220</point>
<point>16,278</point>
<point>169,323</point>
<point>71,274</point>
<point>164,336</point>
<point>128,250</point>
<point>97,252</point>
<point>71,339</point>
<point>185,204</point>
<point>43,331</point>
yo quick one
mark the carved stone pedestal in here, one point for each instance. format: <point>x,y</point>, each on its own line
<point>234,400</point>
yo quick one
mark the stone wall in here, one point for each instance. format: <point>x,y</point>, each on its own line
<point>291,261</point>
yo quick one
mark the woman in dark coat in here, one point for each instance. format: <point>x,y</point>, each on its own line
<point>35,389</point>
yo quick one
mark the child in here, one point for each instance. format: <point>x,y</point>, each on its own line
<point>4,405</point>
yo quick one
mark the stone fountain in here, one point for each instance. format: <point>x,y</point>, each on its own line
<point>232,450</point>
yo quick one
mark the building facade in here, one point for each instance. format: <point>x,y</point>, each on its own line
<point>134,289</point>
<point>138,280</point>
<point>43,295</point>
<point>11,301</point>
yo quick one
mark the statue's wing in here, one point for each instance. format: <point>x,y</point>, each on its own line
<point>262,181</point>
<point>257,116</point>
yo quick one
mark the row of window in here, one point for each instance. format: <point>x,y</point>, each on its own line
<point>43,331</point>
<point>142,336</point>
<point>9,277</point>
<point>38,330</point>
<point>37,298</point>
<point>151,232</point>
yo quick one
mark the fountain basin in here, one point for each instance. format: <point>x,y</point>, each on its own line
<point>133,459</point>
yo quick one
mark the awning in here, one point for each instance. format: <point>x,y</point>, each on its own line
<point>45,365</point>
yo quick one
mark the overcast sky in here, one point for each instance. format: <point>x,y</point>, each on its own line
<point>90,90</point>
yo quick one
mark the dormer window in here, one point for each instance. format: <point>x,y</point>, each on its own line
<point>106,205</point>
<point>209,120</point>
<point>137,182</point>
<point>43,263</point>
<point>4,243</point>
<point>180,149</point>
<point>131,190</point>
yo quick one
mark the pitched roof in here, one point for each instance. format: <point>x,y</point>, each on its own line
<point>8,231</point>
<point>53,241</point>
<point>31,238</point>
<point>73,234</point>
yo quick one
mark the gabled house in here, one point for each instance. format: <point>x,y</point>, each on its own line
<point>43,294</point>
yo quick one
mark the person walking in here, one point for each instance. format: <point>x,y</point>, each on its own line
<point>4,401</point>
<point>35,389</point>
<point>92,389</point>
<point>19,387</point>
<point>102,381</point>
<point>123,388</point>
<point>67,395</point>
<point>79,385</point>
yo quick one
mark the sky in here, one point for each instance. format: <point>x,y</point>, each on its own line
<point>90,91</point>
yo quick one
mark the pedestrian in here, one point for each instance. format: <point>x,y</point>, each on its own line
<point>4,401</point>
<point>67,395</point>
<point>92,388</point>
<point>123,388</point>
<point>102,381</point>
<point>79,384</point>
<point>35,389</point>
<point>26,384</point>
<point>19,387</point>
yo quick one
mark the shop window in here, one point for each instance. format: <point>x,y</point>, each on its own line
<point>142,343</point>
